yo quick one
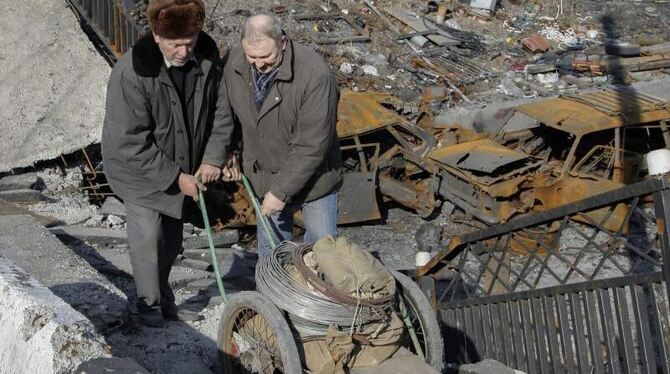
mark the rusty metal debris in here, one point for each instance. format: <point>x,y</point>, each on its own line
<point>327,23</point>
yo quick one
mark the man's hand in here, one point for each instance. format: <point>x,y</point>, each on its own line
<point>272,205</point>
<point>208,173</point>
<point>190,185</point>
<point>231,170</point>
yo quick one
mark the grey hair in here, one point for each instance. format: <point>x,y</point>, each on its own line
<point>270,29</point>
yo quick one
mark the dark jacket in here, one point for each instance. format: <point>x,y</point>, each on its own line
<point>145,144</point>
<point>290,145</point>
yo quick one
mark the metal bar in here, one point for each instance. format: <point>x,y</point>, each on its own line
<point>488,337</point>
<point>552,333</point>
<point>540,334</point>
<point>642,278</point>
<point>499,344</point>
<point>624,327</point>
<point>517,330</point>
<point>478,333</point>
<point>505,323</point>
<point>662,209</point>
<point>641,313</point>
<point>580,340</point>
<point>662,322</point>
<point>591,313</point>
<point>417,33</point>
<point>527,325</point>
<point>609,333</point>
<point>470,333</point>
<point>361,154</point>
<point>567,334</point>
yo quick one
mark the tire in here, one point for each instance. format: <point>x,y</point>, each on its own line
<point>254,337</point>
<point>424,321</point>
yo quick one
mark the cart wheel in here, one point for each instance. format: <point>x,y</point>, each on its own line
<point>423,319</point>
<point>254,337</point>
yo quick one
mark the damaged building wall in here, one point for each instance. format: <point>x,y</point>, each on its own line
<point>52,83</point>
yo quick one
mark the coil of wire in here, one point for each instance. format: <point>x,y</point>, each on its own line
<point>310,310</point>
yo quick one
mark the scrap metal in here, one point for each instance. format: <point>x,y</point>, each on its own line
<point>360,34</point>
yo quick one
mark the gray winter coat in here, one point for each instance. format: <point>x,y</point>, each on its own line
<point>145,144</point>
<point>290,146</point>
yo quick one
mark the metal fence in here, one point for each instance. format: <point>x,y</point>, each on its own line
<point>112,21</point>
<point>577,289</point>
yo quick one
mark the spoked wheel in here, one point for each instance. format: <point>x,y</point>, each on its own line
<point>422,317</point>
<point>254,337</point>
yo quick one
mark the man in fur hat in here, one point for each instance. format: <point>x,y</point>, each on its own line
<point>163,138</point>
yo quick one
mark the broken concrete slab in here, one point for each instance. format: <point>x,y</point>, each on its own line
<point>91,234</point>
<point>196,264</point>
<point>114,207</point>
<point>221,238</point>
<point>111,365</point>
<point>53,104</point>
<point>42,333</point>
<point>22,196</point>
<point>32,247</point>
<point>27,181</point>
<point>181,276</point>
<point>190,364</point>
<point>204,254</point>
<point>237,264</point>
<point>111,261</point>
<point>12,209</point>
<point>201,284</point>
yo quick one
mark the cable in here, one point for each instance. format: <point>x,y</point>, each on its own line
<point>310,310</point>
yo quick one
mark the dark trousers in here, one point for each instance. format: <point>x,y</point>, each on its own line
<point>155,240</point>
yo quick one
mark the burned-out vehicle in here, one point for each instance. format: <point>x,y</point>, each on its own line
<point>581,145</point>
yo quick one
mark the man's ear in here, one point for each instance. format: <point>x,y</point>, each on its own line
<point>157,38</point>
<point>284,42</point>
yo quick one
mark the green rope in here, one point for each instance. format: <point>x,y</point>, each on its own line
<point>208,229</point>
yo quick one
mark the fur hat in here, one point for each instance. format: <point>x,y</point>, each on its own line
<point>174,19</point>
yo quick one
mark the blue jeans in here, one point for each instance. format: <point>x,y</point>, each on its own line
<point>319,216</point>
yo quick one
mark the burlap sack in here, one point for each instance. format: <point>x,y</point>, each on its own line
<point>352,270</point>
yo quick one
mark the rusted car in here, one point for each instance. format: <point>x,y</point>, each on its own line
<point>581,146</point>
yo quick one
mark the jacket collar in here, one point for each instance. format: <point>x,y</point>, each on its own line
<point>285,73</point>
<point>148,59</point>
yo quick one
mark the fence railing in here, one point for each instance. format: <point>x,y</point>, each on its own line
<point>112,21</point>
<point>578,289</point>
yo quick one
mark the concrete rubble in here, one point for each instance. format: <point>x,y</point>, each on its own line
<point>41,332</point>
<point>52,86</point>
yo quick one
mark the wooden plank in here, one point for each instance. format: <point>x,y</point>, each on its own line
<point>420,24</point>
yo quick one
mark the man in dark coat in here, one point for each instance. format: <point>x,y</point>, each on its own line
<point>284,97</point>
<point>162,138</point>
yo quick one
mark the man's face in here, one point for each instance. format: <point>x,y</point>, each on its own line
<point>176,51</point>
<point>264,54</point>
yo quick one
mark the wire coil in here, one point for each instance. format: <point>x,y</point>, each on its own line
<point>311,311</point>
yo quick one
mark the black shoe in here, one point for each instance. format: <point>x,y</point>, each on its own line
<point>152,318</point>
<point>172,313</point>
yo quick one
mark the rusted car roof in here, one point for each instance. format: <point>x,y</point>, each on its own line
<point>586,113</point>
<point>361,112</point>
<point>482,155</point>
